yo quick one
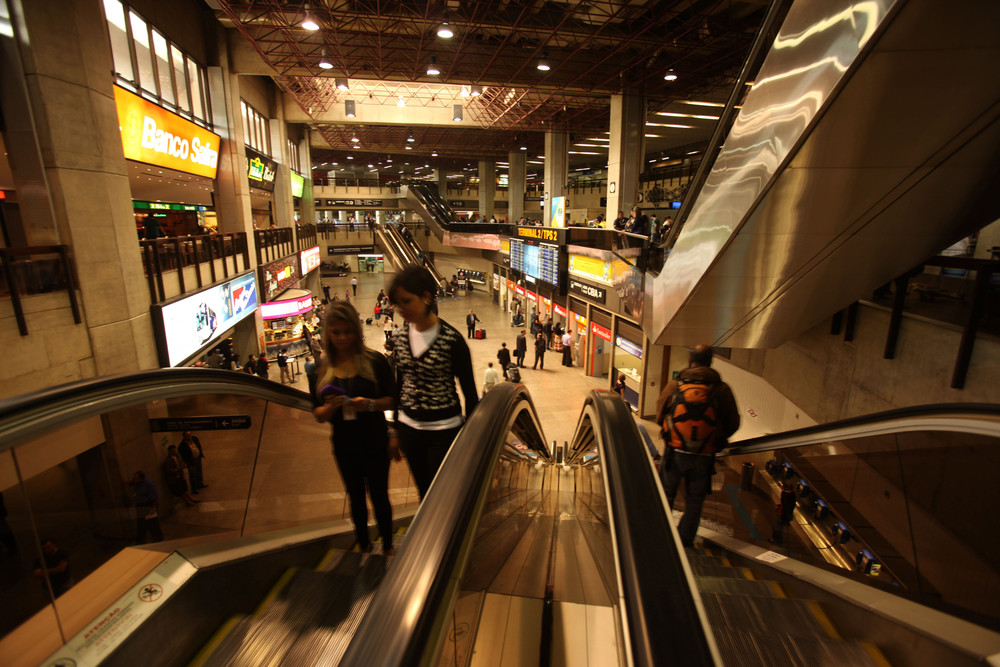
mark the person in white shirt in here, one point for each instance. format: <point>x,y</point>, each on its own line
<point>567,343</point>
<point>388,327</point>
<point>354,285</point>
<point>490,378</point>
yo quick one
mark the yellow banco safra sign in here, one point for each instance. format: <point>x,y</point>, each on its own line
<point>153,135</point>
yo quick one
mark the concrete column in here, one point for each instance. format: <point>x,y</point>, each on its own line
<point>487,187</point>
<point>232,191</point>
<point>516,183</point>
<point>79,192</point>
<point>625,155</point>
<point>441,176</point>
<point>556,170</point>
<point>281,198</point>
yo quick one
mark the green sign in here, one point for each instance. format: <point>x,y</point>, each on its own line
<point>160,206</point>
<point>298,184</point>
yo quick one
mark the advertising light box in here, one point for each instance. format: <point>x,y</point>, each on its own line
<point>153,135</point>
<point>261,170</point>
<point>190,324</point>
<point>278,276</point>
<point>298,185</point>
<point>286,308</point>
<point>310,259</point>
<point>559,211</point>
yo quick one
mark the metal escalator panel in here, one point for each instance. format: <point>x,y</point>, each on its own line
<point>389,246</point>
<point>816,197</point>
<point>882,499</point>
<point>68,452</point>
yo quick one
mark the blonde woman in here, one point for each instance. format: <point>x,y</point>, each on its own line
<point>355,387</point>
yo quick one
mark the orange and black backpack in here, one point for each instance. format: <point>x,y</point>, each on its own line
<point>691,418</point>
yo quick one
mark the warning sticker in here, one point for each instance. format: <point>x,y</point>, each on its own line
<point>106,632</point>
<point>771,557</point>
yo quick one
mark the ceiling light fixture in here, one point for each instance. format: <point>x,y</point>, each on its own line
<point>349,109</point>
<point>432,67</point>
<point>341,84</point>
<point>410,139</point>
<point>408,147</point>
<point>543,64</point>
<point>671,75</point>
<point>476,91</point>
<point>456,112</point>
<point>444,31</point>
<point>524,148</point>
<point>400,102</point>
<point>309,21</point>
<point>324,60</point>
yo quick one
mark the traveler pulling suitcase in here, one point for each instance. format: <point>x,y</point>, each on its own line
<point>513,374</point>
<point>480,333</point>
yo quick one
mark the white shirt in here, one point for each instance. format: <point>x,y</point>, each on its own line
<point>354,281</point>
<point>567,339</point>
<point>491,377</point>
<point>420,342</point>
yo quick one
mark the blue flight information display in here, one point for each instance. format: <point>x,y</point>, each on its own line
<point>539,261</point>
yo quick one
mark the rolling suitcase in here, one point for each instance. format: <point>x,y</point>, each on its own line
<point>480,334</point>
<point>513,373</point>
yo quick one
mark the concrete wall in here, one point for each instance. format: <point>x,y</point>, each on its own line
<point>832,379</point>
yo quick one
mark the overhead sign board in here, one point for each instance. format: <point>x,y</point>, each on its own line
<point>275,310</point>
<point>153,135</point>
<point>588,291</point>
<point>190,324</point>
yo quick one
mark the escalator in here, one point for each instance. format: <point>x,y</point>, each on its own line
<point>386,243</point>
<point>405,241</point>
<point>521,553</point>
<point>425,199</point>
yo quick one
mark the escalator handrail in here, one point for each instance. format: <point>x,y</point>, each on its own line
<point>980,418</point>
<point>24,418</point>
<point>664,617</point>
<point>408,616</point>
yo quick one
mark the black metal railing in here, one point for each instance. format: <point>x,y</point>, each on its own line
<point>214,257</point>
<point>33,270</point>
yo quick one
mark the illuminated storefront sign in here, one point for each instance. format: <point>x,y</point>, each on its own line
<point>298,184</point>
<point>278,276</point>
<point>505,246</point>
<point>582,321</point>
<point>278,309</point>
<point>260,171</point>
<point>546,304</point>
<point>531,296</point>
<point>559,310</point>
<point>153,135</point>
<point>160,206</point>
<point>510,285</point>
<point>191,324</point>
<point>628,346</point>
<point>601,331</point>
<point>310,259</point>
<point>590,267</point>
<point>519,290</point>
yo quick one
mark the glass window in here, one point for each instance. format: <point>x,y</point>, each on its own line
<point>194,75</point>
<point>118,31</point>
<point>163,67</point>
<point>180,79</point>
<point>143,57</point>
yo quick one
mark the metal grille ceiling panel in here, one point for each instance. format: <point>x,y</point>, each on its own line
<point>594,49</point>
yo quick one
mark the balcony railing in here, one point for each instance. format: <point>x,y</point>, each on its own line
<point>177,253</point>
<point>33,270</point>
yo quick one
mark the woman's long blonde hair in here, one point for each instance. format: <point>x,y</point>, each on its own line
<point>341,311</point>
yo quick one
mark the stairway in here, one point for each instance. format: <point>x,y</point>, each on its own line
<point>755,623</point>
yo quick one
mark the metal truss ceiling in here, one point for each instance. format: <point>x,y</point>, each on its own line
<point>594,48</point>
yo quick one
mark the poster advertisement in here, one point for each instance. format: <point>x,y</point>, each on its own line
<point>558,212</point>
<point>192,323</point>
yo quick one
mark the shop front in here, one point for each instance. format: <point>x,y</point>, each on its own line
<point>577,325</point>
<point>288,322</point>
<point>371,263</point>
<point>261,171</point>
<point>628,361</point>
<point>600,352</point>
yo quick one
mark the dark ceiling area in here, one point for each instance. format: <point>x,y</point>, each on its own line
<point>594,49</point>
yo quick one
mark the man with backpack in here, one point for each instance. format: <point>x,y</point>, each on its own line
<point>697,413</point>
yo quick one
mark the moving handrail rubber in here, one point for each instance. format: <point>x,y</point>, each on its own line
<point>407,619</point>
<point>663,614</point>
<point>32,415</point>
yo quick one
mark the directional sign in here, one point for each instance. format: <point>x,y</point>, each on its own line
<point>221,423</point>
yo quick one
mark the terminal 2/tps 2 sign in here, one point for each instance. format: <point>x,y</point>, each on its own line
<point>153,135</point>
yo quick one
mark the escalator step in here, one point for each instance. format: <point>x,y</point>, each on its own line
<point>767,589</point>
<point>213,644</point>
<point>746,648</point>
<point>800,618</point>
<point>275,590</point>
<point>716,570</point>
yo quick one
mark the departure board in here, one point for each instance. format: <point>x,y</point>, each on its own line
<point>548,264</point>
<point>531,260</point>
<point>517,255</point>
